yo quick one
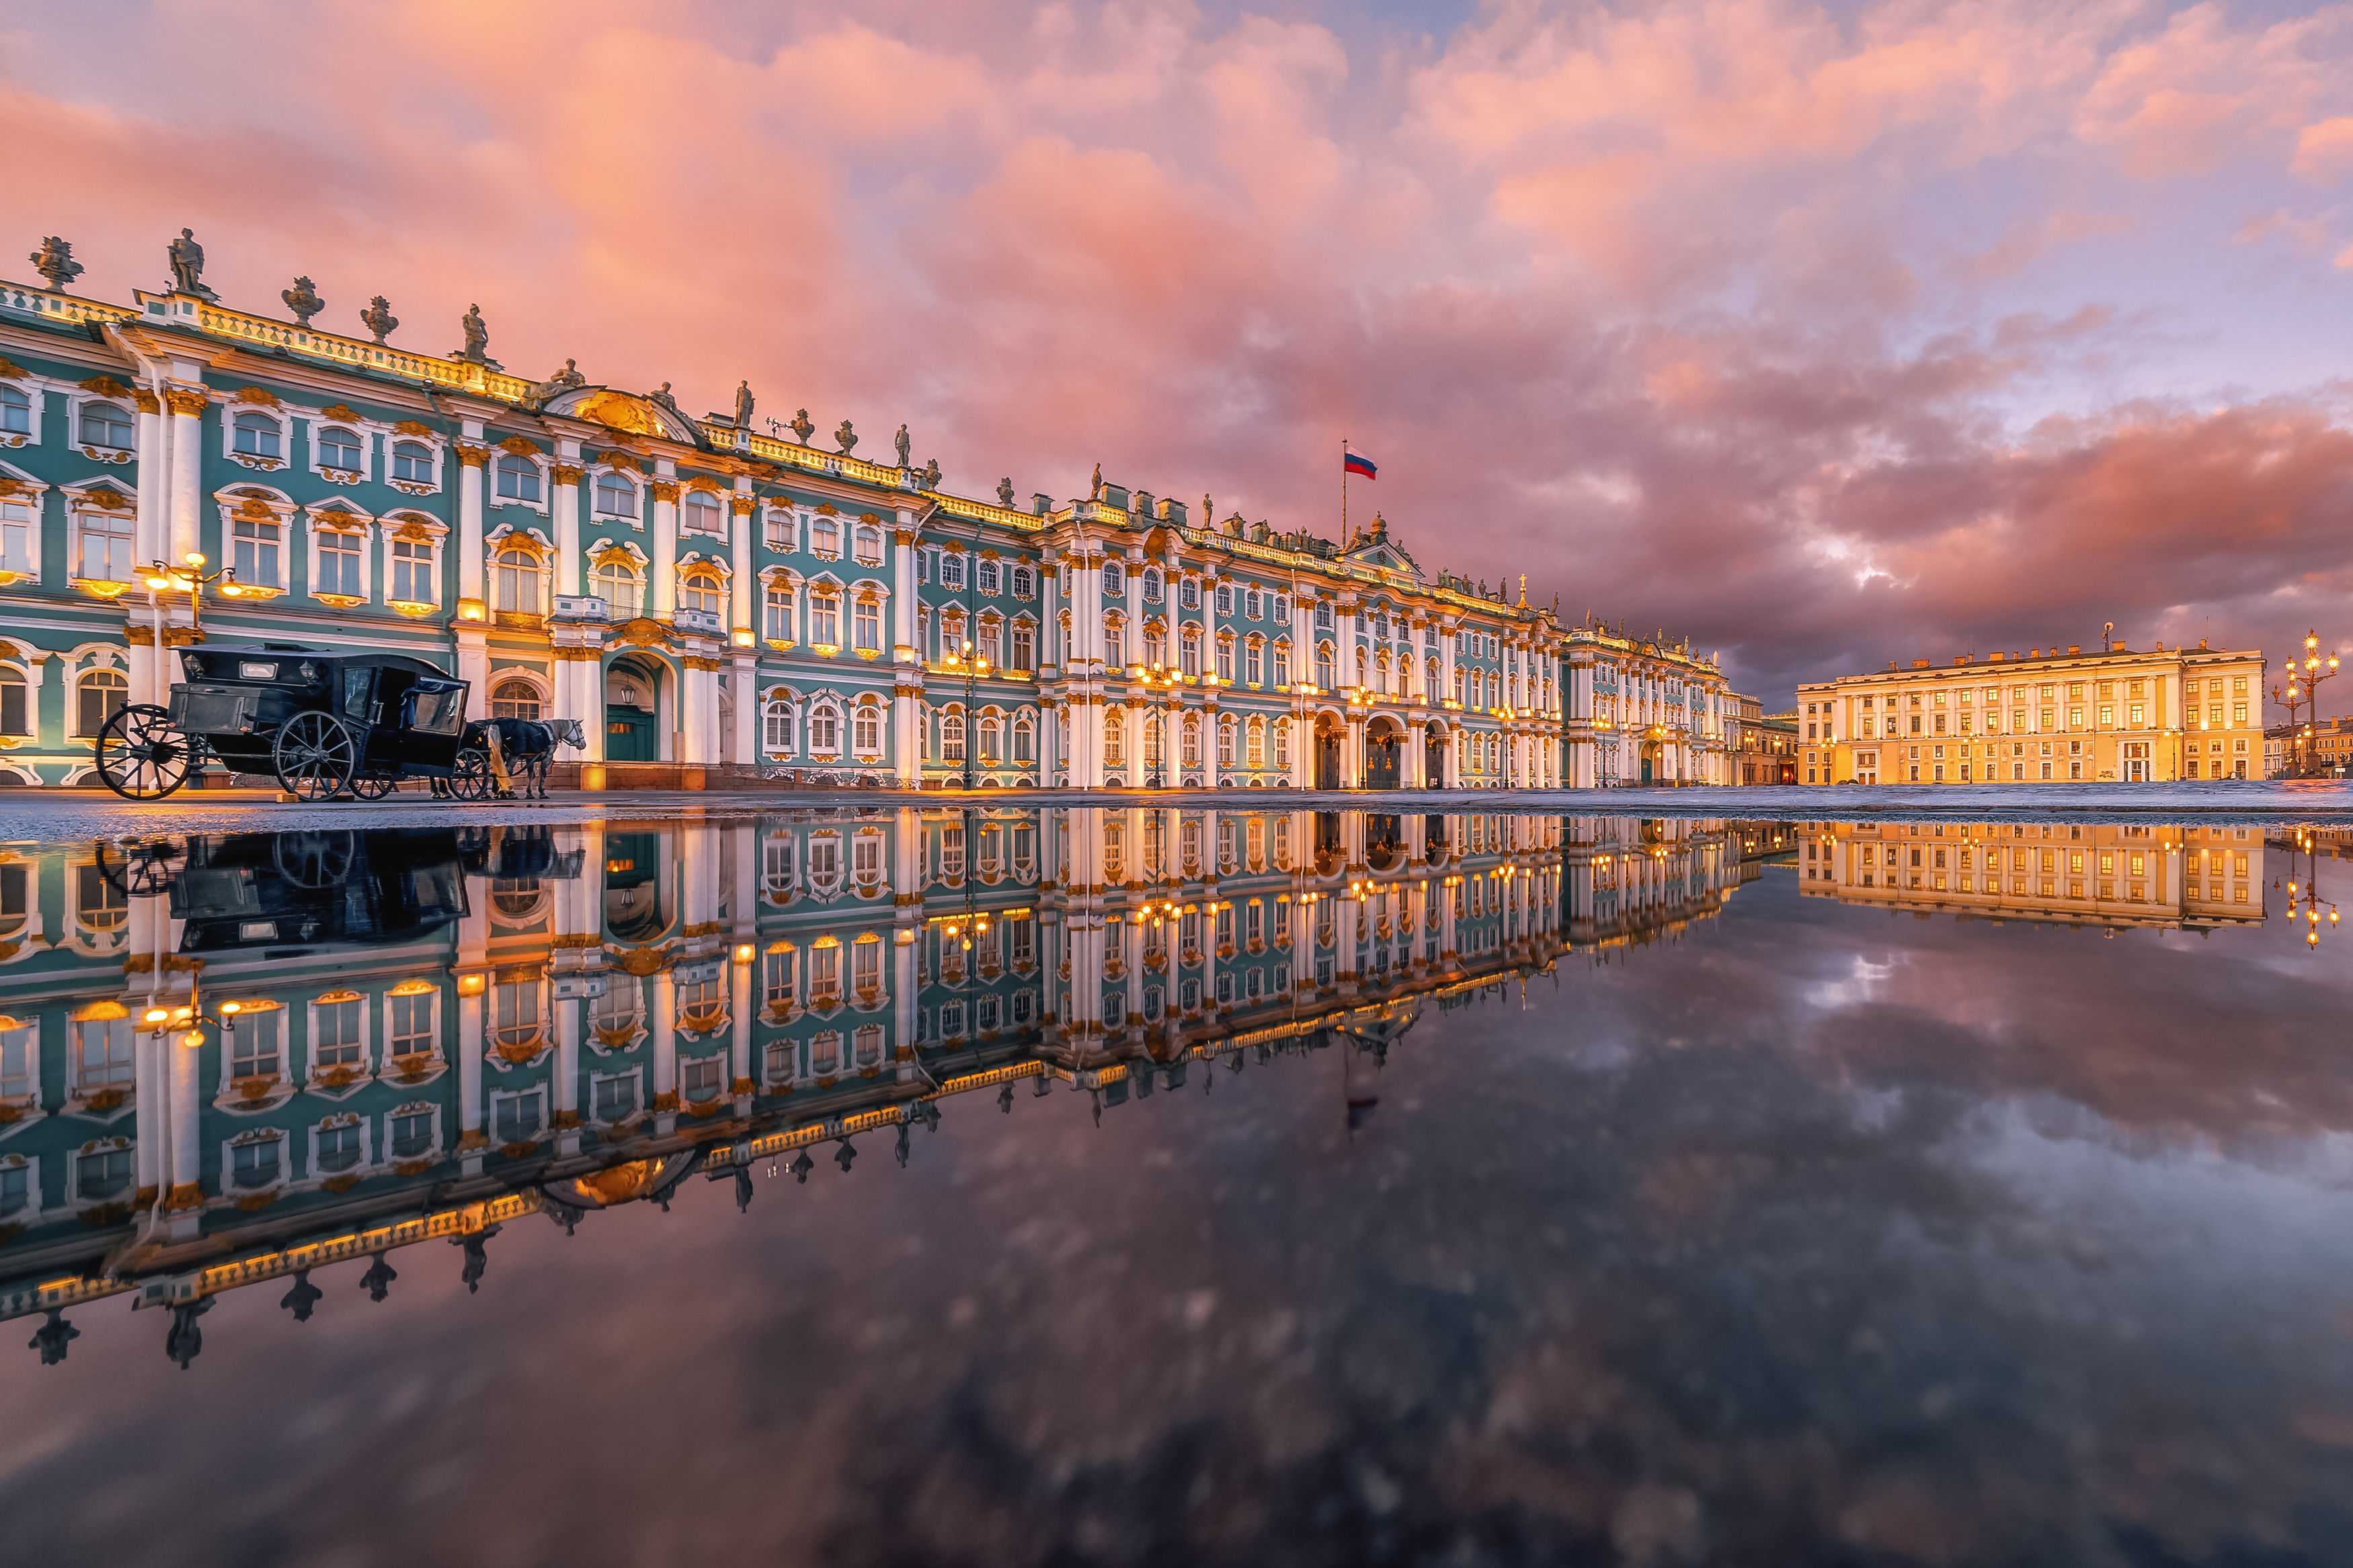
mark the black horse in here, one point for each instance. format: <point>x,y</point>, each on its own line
<point>521,750</point>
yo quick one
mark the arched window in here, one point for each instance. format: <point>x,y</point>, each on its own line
<point>991,740</point>
<point>825,537</point>
<point>1156,644</point>
<point>777,728</point>
<point>1025,740</point>
<point>339,449</point>
<point>1226,742</point>
<point>866,730</point>
<point>617,582</point>
<point>1281,745</point>
<point>518,477</point>
<point>16,412</point>
<point>1257,752</point>
<point>615,496</point>
<point>1151,582</point>
<point>870,547</point>
<point>1323,671</point>
<point>951,738</point>
<point>779,621</point>
<point>99,697</point>
<point>1115,644</point>
<point>825,731</point>
<point>1192,744</point>
<point>702,513</point>
<point>517,581</point>
<point>1114,579</point>
<point>104,425</point>
<point>1115,739</point>
<point>699,588</point>
<point>412,462</point>
<point>255,434</point>
<point>514,700</point>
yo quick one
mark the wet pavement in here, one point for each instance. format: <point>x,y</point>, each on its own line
<point>1467,1188</point>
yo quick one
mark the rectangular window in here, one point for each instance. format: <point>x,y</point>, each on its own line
<point>515,1118</point>
<point>335,1033</point>
<point>778,625</point>
<point>254,550</point>
<point>15,536</point>
<point>412,571</point>
<point>1254,671</point>
<point>825,622</point>
<point>338,564</point>
<point>869,621</point>
<point>107,547</point>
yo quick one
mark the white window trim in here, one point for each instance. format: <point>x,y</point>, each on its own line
<point>314,1174</point>
<point>686,490</point>
<point>439,444</point>
<point>493,502</point>
<point>497,1098</point>
<point>369,431</point>
<point>426,1108</point>
<point>231,411</point>
<point>77,398</point>
<point>250,1137</point>
<point>74,1196</point>
<point>33,493</point>
<point>636,1076</point>
<point>384,1026</point>
<point>359,522</point>
<point>390,528</point>
<point>780,518</point>
<point>639,482</point>
<point>35,389</point>
<point>365,1072</point>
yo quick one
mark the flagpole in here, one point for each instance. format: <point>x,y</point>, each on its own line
<point>1343,493</point>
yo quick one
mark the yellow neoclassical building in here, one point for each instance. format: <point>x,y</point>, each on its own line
<point>2049,715</point>
<point>2140,874</point>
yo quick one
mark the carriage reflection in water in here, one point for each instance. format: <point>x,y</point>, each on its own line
<point>325,724</point>
<point>299,891</point>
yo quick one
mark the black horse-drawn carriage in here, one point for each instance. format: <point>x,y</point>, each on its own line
<point>325,723</point>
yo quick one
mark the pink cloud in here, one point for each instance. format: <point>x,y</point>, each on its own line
<point>1719,314</point>
<point>2324,151</point>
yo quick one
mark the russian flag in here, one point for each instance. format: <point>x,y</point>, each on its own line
<point>1358,463</point>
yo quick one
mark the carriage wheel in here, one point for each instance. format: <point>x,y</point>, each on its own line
<point>141,870</point>
<point>375,788</point>
<point>471,778</point>
<point>314,860</point>
<point>141,757</point>
<point>314,755</point>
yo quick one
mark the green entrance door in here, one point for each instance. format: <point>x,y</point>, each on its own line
<point>629,735</point>
<point>1646,770</point>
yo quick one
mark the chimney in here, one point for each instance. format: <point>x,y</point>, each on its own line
<point>1994,657</point>
<point>2036,654</point>
<point>2201,645</point>
<point>1960,658</point>
<point>1919,664</point>
<point>2073,649</point>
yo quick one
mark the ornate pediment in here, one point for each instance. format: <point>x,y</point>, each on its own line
<point>623,411</point>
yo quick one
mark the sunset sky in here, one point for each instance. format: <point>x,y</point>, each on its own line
<point>1820,334</point>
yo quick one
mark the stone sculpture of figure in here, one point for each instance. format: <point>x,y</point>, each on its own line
<point>569,375</point>
<point>931,474</point>
<point>304,301</point>
<point>55,262</point>
<point>1096,491</point>
<point>302,1298</point>
<point>743,406</point>
<point>378,318</point>
<point>188,265</point>
<point>1005,491</point>
<point>903,443</point>
<point>478,336</point>
<point>801,428</point>
<point>844,437</point>
<point>53,1336</point>
<point>664,397</point>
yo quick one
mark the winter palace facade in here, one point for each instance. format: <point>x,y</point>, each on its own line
<point>708,598</point>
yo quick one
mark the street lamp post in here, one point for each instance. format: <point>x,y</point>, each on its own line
<point>2303,888</point>
<point>191,575</point>
<point>973,666</point>
<point>2302,693</point>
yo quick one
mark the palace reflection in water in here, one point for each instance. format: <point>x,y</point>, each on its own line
<point>231,1058</point>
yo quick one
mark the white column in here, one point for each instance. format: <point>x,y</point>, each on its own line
<point>743,600</point>
<point>662,1026</point>
<point>187,1151</point>
<point>904,592</point>
<point>472,457</point>
<point>187,405</point>
<point>661,589</point>
<point>154,541</point>
<point>746,683</point>
<point>739,1011</point>
<point>470,1138</point>
<point>566,1118</point>
<point>564,511</point>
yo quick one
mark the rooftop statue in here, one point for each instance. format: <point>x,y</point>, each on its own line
<point>478,339</point>
<point>801,428</point>
<point>55,262</point>
<point>743,405</point>
<point>378,318</point>
<point>1005,491</point>
<point>304,301</point>
<point>932,474</point>
<point>845,437</point>
<point>188,265</point>
<point>903,444</point>
<point>665,397</point>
